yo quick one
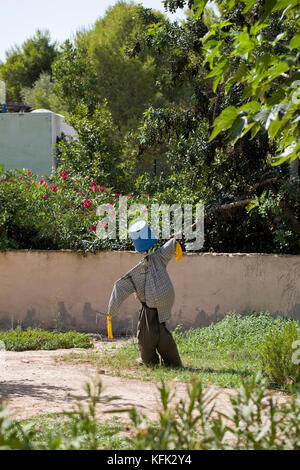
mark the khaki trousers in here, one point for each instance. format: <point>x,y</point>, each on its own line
<point>154,337</point>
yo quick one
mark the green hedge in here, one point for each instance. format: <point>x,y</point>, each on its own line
<point>33,339</point>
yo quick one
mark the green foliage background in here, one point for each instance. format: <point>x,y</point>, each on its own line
<point>196,111</point>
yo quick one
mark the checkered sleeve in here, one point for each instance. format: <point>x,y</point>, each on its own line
<point>121,290</point>
<point>167,250</point>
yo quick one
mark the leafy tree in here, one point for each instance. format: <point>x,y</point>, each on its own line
<point>75,77</point>
<point>96,151</point>
<point>42,95</point>
<point>227,178</point>
<point>96,67</point>
<point>260,52</point>
<point>24,65</point>
<point>128,84</point>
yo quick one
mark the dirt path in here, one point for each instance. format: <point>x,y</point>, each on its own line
<point>33,383</point>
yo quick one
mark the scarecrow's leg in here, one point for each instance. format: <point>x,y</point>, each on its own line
<point>148,335</point>
<point>167,347</point>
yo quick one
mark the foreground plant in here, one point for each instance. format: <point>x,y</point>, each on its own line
<point>279,355</point>
<point>254,420</point>
<point>82,425</point>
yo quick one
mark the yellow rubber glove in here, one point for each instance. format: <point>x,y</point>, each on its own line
<point>178,251</point>
<point>109,327</point>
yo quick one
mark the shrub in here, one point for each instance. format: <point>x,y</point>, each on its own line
<point>253,421</point>
<point>33,339</point>
<point>57,212</point>
<point>234,332</point>
<point>276,355</point>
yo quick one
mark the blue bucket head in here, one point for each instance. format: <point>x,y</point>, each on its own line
<point>142,236</point>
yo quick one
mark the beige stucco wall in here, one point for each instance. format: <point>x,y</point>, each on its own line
<point>36,285</point>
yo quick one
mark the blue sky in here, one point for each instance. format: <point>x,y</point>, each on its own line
<point>21,18</point>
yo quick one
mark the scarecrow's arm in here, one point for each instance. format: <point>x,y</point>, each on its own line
<point>167,250</point>
<point>121,290</point>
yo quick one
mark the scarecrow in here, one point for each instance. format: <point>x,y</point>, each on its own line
<point>150,282</point>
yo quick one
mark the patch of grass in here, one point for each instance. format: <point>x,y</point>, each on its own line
<point>111,434</point>
<point>238,334</point>
<point>223,353</point>
<point>33,339</point>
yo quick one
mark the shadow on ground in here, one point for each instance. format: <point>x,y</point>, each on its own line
<point>241,373</point>
<point>11,389</point>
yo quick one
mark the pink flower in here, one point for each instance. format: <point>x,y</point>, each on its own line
<point>3,403</point>
<point>42,181</point>
<point>44,197</point>
<point>29,172</point>
<point>38,230</point>
<point>93,228</point>
<point>37,428</point>
<point>87,203</point>
<point>131,195</point>
<point>101,189</point>
<point>21,177</point>
<point>93,183</point>
<point>53,188</point>
<point>104,224</point>
<point>71,207</point>
<point>147,194</point>
<point>63,174</point>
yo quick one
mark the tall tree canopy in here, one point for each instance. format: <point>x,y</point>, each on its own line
<point>229,171</point>
<point>24,65</point>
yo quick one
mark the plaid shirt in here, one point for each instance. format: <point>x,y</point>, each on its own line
<point>151,282</point>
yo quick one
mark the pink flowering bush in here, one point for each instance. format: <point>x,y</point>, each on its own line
<point>57,212</point>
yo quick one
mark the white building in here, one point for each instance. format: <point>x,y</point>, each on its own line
<point>27,140</point>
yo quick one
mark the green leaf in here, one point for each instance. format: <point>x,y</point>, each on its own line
<point>252,107</point>
<point>249,5</point>
<point>224,121</point>
<point>241,73</point>
<point>274,128</point>
<point>266,10</point>
<point>237,128</point>
<point>256,28</point>
<point>199,6</point>
<point>295,42</point>
<point>276,97</point>
<point>243,45</point>
<point>255,129</point>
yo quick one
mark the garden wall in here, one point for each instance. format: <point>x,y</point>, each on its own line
<point>63,288</point>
